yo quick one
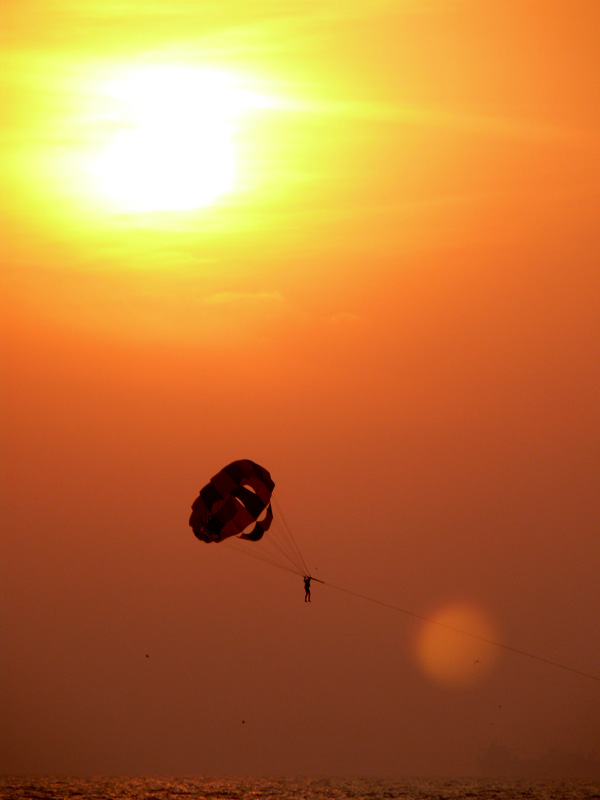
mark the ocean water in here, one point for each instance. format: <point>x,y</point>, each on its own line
<point>288,789</point>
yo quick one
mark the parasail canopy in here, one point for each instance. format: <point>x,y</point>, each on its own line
<point>236,502</point>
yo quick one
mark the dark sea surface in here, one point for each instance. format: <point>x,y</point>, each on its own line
<point>288,788</point>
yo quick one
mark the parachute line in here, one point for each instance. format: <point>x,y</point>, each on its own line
<point>465,633</point>
<point>278,548</point>
<point>248,550</point>
<point>290,538</point>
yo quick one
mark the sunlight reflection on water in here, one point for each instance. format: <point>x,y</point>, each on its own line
<point>288,788</point>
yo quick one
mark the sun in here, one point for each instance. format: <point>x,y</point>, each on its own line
<point>170,145</point>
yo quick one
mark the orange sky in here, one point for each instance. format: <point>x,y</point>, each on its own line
<point>393,305</point>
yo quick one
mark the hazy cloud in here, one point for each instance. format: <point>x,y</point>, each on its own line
<point>245,299</point>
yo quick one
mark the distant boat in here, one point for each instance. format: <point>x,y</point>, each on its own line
<point>497,761</point>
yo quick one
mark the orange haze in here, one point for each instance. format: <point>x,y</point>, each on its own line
<point>391,300</point>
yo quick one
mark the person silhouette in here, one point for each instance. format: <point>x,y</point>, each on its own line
<point>307,589</point>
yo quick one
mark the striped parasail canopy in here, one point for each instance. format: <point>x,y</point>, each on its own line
<point>236,502</point>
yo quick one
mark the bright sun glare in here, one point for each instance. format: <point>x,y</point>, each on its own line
<point>171,146</point>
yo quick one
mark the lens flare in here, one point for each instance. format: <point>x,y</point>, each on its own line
<point>451,649</point>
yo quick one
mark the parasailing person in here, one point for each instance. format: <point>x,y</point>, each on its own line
<point>307,580</point>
